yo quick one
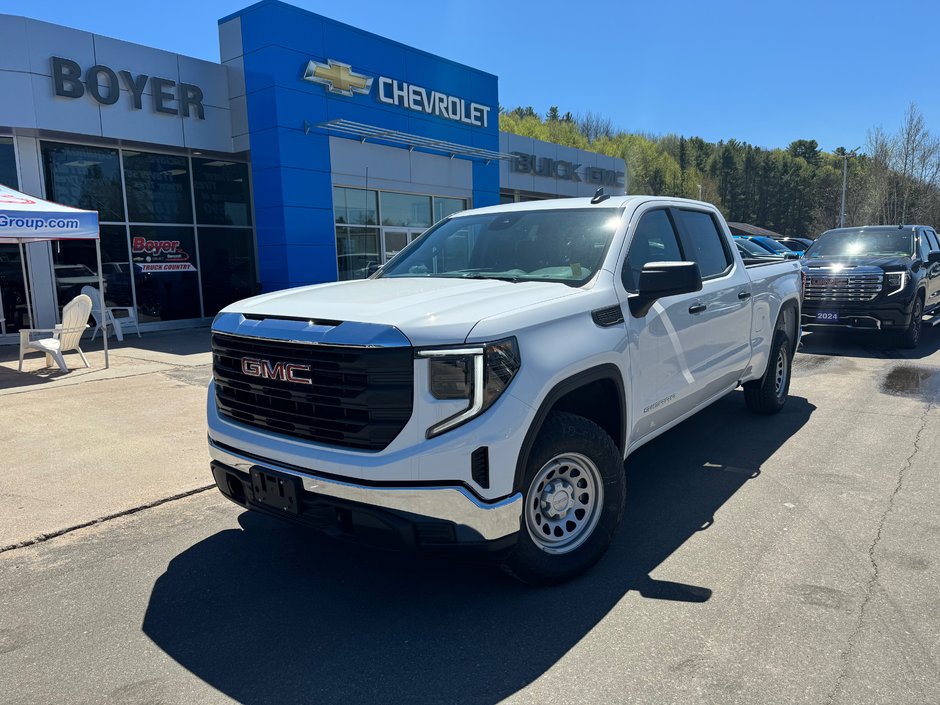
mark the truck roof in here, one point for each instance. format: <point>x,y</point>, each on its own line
<point>611,202</point>
<point>871,228</point>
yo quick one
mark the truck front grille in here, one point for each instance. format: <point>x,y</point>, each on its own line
<point>841,287</point>
<point>355,398</point>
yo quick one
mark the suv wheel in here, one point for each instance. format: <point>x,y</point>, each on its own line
<point>574,497</point>
<point>768,394</point>
<point>910,338</point>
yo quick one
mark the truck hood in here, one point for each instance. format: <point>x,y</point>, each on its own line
<point>428,310</point>
<point>884,262</point>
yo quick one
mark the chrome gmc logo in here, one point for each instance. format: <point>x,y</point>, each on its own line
<point>283,371</point>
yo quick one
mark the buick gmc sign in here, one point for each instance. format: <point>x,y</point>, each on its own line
<point>104,85</point>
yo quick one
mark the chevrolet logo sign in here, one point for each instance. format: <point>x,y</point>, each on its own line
<point>337,77</point>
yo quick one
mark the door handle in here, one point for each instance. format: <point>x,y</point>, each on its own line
<point>697,308</point>
<point>744,295</point>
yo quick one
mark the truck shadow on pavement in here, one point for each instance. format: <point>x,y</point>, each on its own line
<point>275,614</point>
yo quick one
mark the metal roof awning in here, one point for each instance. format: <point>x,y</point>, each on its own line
<point>365,132</point>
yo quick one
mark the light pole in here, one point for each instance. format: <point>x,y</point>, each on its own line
<point>845,169</point>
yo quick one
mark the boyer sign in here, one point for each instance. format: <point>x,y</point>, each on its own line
<point>160,256</point>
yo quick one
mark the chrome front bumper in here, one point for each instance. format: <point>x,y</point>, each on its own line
<point>491,520</point>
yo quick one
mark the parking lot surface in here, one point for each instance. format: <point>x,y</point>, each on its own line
<point>783,559</point>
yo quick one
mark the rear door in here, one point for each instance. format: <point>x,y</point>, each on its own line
<point>721,324</point>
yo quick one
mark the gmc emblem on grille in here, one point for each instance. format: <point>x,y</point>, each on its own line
<point>283,371</point>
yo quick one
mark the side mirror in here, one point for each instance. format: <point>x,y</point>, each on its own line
<point>934,257</point>
<point>659,279</point>
<point>373,268</point>
<point>792,255</point>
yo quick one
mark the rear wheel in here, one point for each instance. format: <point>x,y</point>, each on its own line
<point>910,338</point>
<point>768,394</point>
<point>574,497</point>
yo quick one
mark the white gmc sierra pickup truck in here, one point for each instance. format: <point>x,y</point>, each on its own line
<point>481,390</point>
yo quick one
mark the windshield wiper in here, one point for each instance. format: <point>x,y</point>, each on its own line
<point>480,275</point>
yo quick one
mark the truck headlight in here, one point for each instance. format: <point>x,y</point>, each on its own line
<point>895,282</point>
<point>477,373</point>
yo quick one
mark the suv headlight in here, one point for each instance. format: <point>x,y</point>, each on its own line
<point>477,373</point>
<point>895,282</point>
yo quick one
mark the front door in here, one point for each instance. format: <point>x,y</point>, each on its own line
<point>662,345</point>
<point>394,241</point>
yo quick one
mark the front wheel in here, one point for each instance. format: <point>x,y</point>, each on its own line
<point>574,488</point>
<point>910,338</point>
<point>768,394</point>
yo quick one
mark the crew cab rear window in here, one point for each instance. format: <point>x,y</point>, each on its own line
<point>932,239</point>
<point>703,242</point>
<point>654,241</point>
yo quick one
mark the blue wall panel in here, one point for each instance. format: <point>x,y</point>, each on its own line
<point>291,169</point>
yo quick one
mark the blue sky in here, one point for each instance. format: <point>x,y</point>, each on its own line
<point>761,72</point>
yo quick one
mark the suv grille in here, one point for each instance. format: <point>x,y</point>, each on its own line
<point>359,397</point>
<point>841,287</point>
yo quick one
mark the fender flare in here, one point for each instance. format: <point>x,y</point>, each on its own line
<point>606,371</point>
<point>791,303</point>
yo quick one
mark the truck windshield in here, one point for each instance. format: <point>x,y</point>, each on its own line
<point>565,246</point>
<point>863,243</point>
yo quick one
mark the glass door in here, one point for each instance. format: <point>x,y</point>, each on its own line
<point>13,314</point>
<point>394,241</point>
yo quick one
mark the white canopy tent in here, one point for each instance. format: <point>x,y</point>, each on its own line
<point>25,219</point>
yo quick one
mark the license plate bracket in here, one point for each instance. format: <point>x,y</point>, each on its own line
<point>276,490</point>
<point>827,316</point>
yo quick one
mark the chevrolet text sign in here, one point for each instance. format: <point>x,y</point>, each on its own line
<point>340,78</point>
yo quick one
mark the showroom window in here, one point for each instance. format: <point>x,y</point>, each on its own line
<point>8,163</point>
<point>12,294</point>
<point>165,273</point>
<point>362,244</point>
<point>357,249</point>
<point>221,190</point>
<point>355,206</point>
<point>76,266</point>
<point>227,260</point>
<point>158,189</point>
<point>84,177</point>
<point>405,209</point>
<point>444,207</point>
<point>152,255</point>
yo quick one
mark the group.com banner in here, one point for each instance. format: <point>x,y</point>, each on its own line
<point>26,217</point>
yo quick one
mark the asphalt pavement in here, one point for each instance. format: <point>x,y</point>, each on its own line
<point>783,559</point>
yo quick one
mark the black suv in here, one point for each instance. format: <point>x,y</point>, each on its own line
<point>879,277</point>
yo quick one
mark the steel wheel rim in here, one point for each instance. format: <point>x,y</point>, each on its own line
<point>780,373</point>
<point>564,503</point>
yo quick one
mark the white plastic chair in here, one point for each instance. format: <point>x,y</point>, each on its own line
<point>65,337</point>
<point>117,323</point>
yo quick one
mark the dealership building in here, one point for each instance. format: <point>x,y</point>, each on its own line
<point>311,152</point>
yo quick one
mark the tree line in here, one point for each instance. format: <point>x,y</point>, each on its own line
<point>893,178</point>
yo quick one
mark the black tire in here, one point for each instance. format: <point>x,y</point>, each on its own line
<point>910,338</point>
<point>768,394</point>
<point>579,449</point>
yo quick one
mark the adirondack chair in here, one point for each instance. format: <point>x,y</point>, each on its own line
<point>65,337</point>
<point>103,320</point>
